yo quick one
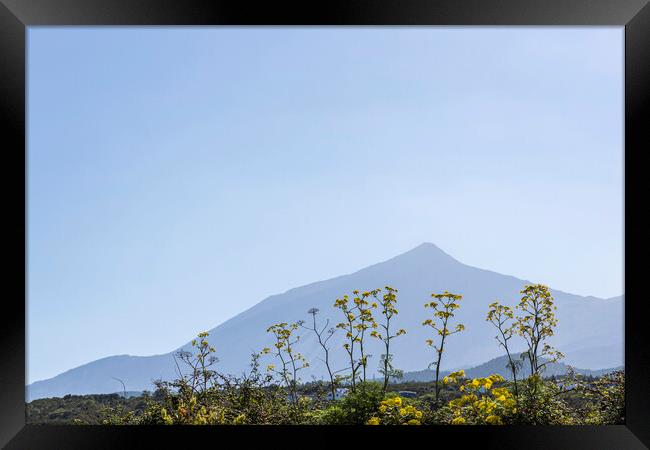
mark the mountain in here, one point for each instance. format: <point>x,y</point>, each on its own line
<point>499,366</point>
<point>590,329</point>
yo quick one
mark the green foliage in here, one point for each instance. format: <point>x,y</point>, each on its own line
<point>82,409</point>
<point>605,397</point>
<point>541,402</point>
<point>387,370</point>
<point>357,407</point>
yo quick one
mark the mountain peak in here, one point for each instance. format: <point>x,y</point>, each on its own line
<point>428,250</point>
<point>424,255</point>
<point>428,245</point>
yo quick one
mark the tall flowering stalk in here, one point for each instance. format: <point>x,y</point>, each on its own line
<point>323,335</point>
<point>350,334</point>
<point>358,319</point>
<point>290,360</point>
<point>387,308</point>
<point>443,309</point>
<point>502,317</point>
<point>365,321</point>
<point>536,324</point>
<point>200,364</point>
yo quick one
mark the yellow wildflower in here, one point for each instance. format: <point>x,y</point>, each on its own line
<point>373,421</point>
<point>493,420</point>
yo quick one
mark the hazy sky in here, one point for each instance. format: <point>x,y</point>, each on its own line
<point>177,176</point>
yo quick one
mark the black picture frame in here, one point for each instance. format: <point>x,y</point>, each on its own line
<point>16,15</point>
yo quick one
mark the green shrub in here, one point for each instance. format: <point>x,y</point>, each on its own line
<point>357,407</point>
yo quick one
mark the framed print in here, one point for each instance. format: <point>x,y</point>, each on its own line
<point>271,221</point>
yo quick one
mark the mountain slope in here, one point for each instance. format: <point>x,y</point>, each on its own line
<point>585,323</point>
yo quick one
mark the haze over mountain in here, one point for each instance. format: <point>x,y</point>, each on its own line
<point>590,329</point>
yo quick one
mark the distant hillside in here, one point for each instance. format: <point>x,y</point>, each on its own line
<point>499,366</point>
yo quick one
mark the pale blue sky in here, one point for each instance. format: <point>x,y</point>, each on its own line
<point>177,176</point>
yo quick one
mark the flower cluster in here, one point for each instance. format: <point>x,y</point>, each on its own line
<point>393,411</point>
<point>443,311</point>
<point>482,402</point>
<point>454,377</point>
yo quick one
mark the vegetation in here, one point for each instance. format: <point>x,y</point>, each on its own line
<point>201,395</point>
<point>443,311</point>
<point>322,341</point>
<point>388,310</point>
<point>84,409</point>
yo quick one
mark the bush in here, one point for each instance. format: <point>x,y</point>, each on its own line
<point>395,411</point>
<point>357,407</point>
<point>540,403</point>
<point>605,399</point>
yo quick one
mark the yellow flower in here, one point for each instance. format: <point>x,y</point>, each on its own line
<point>397,401</point>
<point>493,420</point>
<point>457,374</point>
<point>458,421</point>
<point>413,422</point>
<point>373,421</point>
